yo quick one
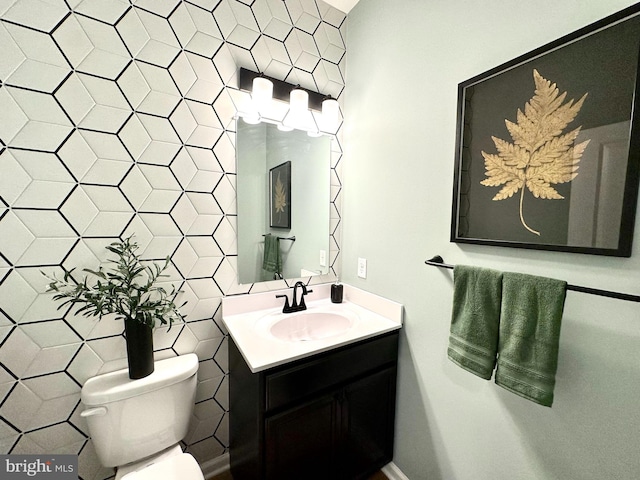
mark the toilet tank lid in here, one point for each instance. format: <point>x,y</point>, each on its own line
<point>115,386</point>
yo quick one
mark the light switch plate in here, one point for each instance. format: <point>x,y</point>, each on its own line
<point>323,258</point>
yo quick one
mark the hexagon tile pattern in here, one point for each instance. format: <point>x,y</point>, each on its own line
<point>118,119</point>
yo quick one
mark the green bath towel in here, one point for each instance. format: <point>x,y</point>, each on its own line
<point>272,261</point>
<point>473,339</point>
<point>529,335</point>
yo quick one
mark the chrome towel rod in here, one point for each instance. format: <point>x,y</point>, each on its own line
<point>438,261</point>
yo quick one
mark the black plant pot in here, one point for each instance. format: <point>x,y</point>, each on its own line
<point>139,348</point>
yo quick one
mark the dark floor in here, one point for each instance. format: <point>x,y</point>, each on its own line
<point>227,476</point>
<point>378,476</point>
<point>224,476</point>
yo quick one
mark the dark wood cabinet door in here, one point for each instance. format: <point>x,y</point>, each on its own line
<point>300,442</point>
<point>329,417</point>
<point>367,424</point>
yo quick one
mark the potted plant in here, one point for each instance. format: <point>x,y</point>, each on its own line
<point>128,289</point>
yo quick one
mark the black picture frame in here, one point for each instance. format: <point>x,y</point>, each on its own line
<point>598,209</point>
<point>280,196</point>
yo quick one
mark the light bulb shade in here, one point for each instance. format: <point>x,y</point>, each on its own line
<point>261,93</point>
<point>330,109</point>
<point>252,118</point>
<point>298,102</point>
<point>284,127</point>
<point>330,115</point>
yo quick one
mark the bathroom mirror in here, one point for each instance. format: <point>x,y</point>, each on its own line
<point>269,189</point>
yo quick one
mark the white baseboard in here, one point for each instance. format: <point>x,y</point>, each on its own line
<point>392,472</point>
<point>215,466</point>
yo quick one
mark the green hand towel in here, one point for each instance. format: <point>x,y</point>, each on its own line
<point>473,339</point>
<point>529,335</point>
<point>272,260</point>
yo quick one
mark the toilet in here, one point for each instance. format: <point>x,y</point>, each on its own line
<point>136,425</point>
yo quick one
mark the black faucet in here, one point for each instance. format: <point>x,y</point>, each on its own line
<point>295,306</point>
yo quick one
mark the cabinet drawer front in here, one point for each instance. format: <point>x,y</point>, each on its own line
<point>329,370</point>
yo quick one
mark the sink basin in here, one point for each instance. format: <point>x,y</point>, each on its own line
<point>308,325</point>
<point>254,324</point>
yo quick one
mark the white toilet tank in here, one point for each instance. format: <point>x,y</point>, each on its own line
<point>132,419</point>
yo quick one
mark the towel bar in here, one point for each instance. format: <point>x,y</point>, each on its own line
<point>438,261</point>
<point>293,239</point>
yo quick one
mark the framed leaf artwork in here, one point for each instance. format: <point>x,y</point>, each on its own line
<point>280,196</point>
<point>548,145</point>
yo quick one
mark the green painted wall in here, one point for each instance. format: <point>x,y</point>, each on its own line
<point>406,59</point>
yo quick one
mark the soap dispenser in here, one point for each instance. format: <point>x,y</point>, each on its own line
<point>336,292</point>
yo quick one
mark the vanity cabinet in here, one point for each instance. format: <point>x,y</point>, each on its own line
<point>329,416</point>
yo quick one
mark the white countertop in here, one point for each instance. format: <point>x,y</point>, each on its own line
<point>243,316</point>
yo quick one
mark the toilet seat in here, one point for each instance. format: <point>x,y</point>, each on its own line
<point>178,467</point>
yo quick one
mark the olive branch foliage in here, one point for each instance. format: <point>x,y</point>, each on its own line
<point>127,288</point>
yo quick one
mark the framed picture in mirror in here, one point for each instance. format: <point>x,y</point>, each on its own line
<point>548,145</point>
<point>280,196</point>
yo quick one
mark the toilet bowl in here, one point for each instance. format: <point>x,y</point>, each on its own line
<point>136,425</point>
<point>172,465</point>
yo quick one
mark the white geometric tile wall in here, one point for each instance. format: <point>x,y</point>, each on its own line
<point>117,117</point>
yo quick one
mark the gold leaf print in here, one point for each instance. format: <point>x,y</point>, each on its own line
<point>540,155</point>
<point>281,196</point>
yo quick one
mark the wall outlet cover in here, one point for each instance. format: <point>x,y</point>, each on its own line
<point>362,267</point>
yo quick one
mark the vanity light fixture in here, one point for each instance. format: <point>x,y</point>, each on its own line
<point>304,105</point>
